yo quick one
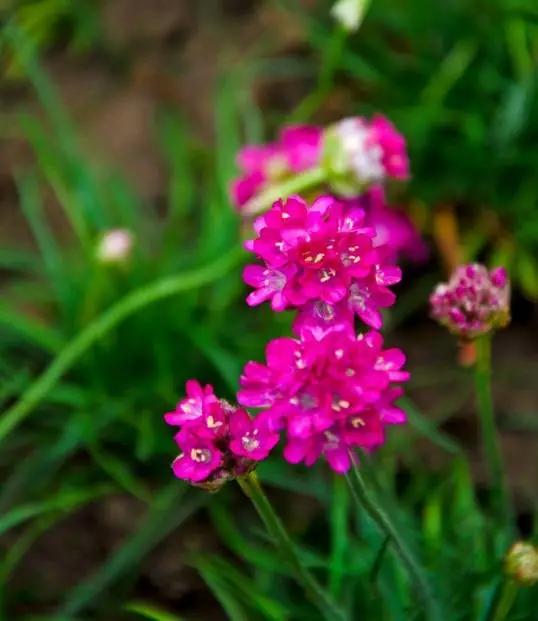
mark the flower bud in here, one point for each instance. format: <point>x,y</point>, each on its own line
<point>521,563</point>
<point>473,302</point>
<point>115,246</point>
<point>349,13</point>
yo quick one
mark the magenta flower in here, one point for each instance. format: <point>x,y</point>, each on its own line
<point>298,148</point>
<point>197,401</point>
<point>330,392</point>
<point>394,231</point>
<point>359,153</point>
<point>218,442</point>
<point>322,261</point>
<point>474,301</point>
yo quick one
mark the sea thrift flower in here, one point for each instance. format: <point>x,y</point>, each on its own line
<point>115,246</point>
<point>298,148</point>
<point>393,228</point>
<point>329,393</point>
<point>474,301</point>
<point>521,563</point>
<point>358,153</point>
<point>218,442</point>
<point>321,260</point>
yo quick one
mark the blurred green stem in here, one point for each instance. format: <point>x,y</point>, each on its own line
<point>365,496</point>
<point>339,519</point>
<point>504,602</point>
<point>294,185</point>
<point>254,491</point>
<point>130,304</point>
<point>487,422</point>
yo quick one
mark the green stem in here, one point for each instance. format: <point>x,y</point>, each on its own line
<point>487,421</point>
<point>130,304</point>
<point>339,518</point>
<point>504,601</point>
<point>365,497</point>
<point>293,185</point>
<point>253,490</point>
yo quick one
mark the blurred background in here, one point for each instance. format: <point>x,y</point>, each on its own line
<point>128,114</point>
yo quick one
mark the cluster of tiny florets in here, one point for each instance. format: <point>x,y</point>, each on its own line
<point>218,441</point>
<point>473,302</point>
<point>322,261</point>
<point>329,394</point>
<point>332,261</point>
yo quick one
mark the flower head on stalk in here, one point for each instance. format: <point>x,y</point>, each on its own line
<point>473,302</point>
<point>358,153</point>
<point>521,563</point>
<point>330,394</point>
<point>297,149</point>
<point>320,259</point>
<point>218,442</point>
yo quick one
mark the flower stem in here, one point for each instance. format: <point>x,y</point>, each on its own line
<point>339,534</point>
<point>365,497</point>
<point>295,184</point>
<point>487,421</point>
<point>254,491</point>
<point>130,304</point>
<point>504,602</point>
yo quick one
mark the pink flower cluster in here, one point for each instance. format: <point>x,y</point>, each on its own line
<point>321,260</point>
<point>356,155</point>
<point>328,390</point>
<point>218,442</point>
<point>474,301</point>
<point>329,393</point>
<point>298,148</point>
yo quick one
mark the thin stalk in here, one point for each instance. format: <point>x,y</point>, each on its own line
<point>130,304</point>
<point>293,185</point>
<point>482,374</point>
<point>504,602</point>
<point>339,534</point>
<point>366,498</point>
<point>317,595</point>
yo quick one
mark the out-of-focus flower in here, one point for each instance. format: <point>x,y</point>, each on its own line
<point>394,231</point>
<point>358,153</point>
<point>218,442</point>
<point>322,260</point>
<point>330,394</point>
<point>350,13</point>
<point>115,246</point>
<point>521,563</point>
<point>474,301</point>
<point>298,148</point>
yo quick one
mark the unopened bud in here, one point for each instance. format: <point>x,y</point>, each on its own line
<point>521,563</point>
<point>115,246</point>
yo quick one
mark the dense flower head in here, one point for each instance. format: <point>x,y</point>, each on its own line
<point>358,153</point>
<point>474,301</point>
<point>298,148</point>
<point>218,441</point>
<point>329,393</point>
<point>320,259</point>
